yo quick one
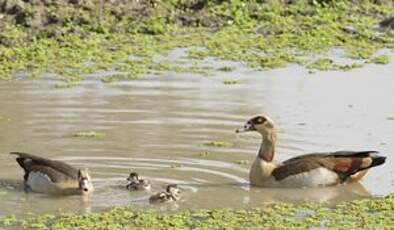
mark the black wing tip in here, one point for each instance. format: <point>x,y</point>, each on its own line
<point>378,160</point>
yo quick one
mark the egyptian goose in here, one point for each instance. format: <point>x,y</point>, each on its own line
<point>137,184</point>
<point>309,170</point>
<point>53,177</point>
<point>171,195</point>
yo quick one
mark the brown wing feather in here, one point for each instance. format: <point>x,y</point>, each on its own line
<point>344,163</point>
<point>334,154</point>
<point>26,161</point>
<point>297,166</point>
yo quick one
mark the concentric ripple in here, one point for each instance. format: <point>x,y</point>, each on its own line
<point>160,127</point>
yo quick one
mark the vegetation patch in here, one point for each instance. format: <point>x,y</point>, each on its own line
<point>74,39</point>
<point>89,134</point>
<point>4,118</point>
<point>230,82</point>
<point>204,154</point>
<point>382,60</point>
<point>220,144</point>
<point>363,214</point>
<point>242,162</point>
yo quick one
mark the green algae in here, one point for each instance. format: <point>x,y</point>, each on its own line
<point>382,60</point>
<point>230,82</point>
<point>176,165</point>
<point>89,134</point>
<point>4,118</point>
<point>242,162</point>
<point>204,154</point>
<point>7,220</point>
<point>3,193</point>
<point>219,144</point>
<point>361,214</point>
<point>76,43</point>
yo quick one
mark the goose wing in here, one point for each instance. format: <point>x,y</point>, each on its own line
<point>56,170</point>
<point>344,163</point>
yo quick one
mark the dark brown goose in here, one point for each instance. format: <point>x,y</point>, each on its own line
<point>53,177</point>
<point>309,170</point>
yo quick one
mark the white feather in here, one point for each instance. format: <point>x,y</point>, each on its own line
<point>41,183</point>
<point>313,178</point>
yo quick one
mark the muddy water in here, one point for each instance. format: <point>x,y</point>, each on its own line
<point>158,126</point>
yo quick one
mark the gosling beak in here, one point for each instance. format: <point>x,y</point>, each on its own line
<point>247,127</point>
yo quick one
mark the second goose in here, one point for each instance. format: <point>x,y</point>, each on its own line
<point>309,170</point>
<point>43,175</point>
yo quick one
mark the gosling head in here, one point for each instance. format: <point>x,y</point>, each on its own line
<point>261,123</point>
<point>85,182</point>
<point>174,191</point>
<point>133,177</point>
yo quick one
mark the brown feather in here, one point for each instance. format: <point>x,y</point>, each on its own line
<point>344,163</point>
<point>57,170</point>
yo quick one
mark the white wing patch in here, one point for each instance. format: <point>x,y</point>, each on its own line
<point>314,178</point>
<point>39,182</point>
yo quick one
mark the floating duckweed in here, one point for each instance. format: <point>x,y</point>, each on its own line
<point>382,59</point>
<point>227,69</point>
<point>176,165</point>
<point>322,64</point>
<point>365,214</point>
<point>4,118</point>
<point>3,193</point>
<point>205,154</point>
<point>242,162</point>
<point>219,144</point>
<point>89,134</point>
<point>108,79</point>
<point>68,84</point>
<point>230,82</point>
<point>7,220</point>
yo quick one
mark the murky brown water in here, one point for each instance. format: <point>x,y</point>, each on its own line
<point>158,123</point>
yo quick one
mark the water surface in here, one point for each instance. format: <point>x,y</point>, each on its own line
<point>158,126</point>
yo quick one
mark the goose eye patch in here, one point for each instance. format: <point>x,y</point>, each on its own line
<point>258,120</point>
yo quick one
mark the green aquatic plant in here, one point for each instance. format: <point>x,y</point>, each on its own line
<point>219,144</point>
<point>242,162</point>
<point>4,118</point>
<point>373,213</point>
<point>204,154</point>
<point>89,134</point>
<point>74,41</point>
<point>230,82</point>
<point>382,60</point>
<point>7,220</point>
<point>227,69</point>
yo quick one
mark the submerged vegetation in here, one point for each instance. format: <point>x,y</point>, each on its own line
<point>363,214</point>
<point>73,39</point>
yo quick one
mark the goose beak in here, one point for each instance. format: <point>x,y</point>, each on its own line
<point>247,127</point>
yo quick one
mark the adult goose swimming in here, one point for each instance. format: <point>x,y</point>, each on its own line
<point>309,170</point>
<point>53,177</point>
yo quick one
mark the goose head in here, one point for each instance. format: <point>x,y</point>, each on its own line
<point>85,182</point>
<point>261,124</point>
<point>133,177</point>
<point>174,191</point>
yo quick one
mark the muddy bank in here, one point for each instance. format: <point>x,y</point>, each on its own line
<point>72,39</point>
